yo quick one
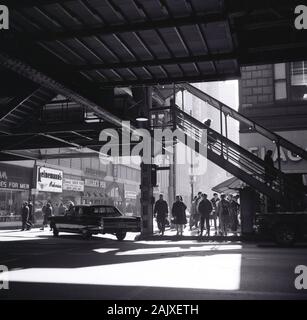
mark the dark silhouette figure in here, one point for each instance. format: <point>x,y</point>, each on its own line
<point>31,216</point>
<point>223,214</point>
<point>161,211</point>
<point>178,212</point>
<point>24,216</point>
<point>205,208</point>
<point>214,202</point>
<point>270,174</point>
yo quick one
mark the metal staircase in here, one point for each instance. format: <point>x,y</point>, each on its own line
<point>238,161</point>
<point>252,125</point>
<point>22,108</point>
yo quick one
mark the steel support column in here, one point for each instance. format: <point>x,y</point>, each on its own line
<point>146,187</point>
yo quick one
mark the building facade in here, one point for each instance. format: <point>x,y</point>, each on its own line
<point>81,181</point>
<point>275,96</point>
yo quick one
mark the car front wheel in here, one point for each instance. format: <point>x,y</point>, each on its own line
<point>120,235</point>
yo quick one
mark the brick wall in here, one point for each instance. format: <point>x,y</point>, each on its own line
<point>256,85</point>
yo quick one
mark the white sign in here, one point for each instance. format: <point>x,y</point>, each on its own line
<point>49,180</point>
<point>95,183</point>
<point>130,194</point>
<point>73,185</point>
<point>34,192</point>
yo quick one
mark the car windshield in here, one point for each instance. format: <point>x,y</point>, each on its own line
<point>106,211</point>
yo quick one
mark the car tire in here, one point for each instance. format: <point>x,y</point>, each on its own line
<point>86,234</point>
<point>121,235</point>
<point>55,231</point>
<point>285,235</point>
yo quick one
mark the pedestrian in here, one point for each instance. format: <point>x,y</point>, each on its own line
<point>193,213</point>
<point>62,209</point>
<point>31,216</point>
<point>24,215</point>
<point>47,213</point>
<point>214,202</point>
<point>70,209</point>
<point>223,214</point>
<point>179,214</point>
<point>269,174</point>
<point>161,212</point>
<point>233,214</point>
<point>204,208</point>
<point>56,209</point>
<point>197,214</point>
<point>237,200</point>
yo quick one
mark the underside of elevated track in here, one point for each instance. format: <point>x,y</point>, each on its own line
<point>70,69</point>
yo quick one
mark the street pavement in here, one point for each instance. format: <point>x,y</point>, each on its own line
<point>68,267</point>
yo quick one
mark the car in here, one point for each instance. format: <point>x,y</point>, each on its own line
<point>285,228</point>
<point>95,219</point>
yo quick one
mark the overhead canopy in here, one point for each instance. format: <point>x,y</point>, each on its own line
<point>83,49</point>
<point>228,186</point>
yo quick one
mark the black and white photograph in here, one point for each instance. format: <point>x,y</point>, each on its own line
<point>153,151</point>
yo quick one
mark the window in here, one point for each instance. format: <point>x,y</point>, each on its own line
<point>280,81</point>
<point>106,211</point>
<point>298,86</point>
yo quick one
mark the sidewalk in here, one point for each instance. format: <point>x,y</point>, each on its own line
<point>171,234</point>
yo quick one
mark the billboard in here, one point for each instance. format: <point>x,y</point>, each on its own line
<point>73,185</point>
<point>49,180</point>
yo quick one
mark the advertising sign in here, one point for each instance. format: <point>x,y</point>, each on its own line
<point>15,177</point>
<point>95,183</point>
<point>73,185</point>
<point>130,194</point>
<point>49,180</point>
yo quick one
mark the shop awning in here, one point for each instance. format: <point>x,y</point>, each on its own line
<point>228,185</point>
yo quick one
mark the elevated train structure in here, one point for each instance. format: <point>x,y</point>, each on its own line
<point>98,63</point>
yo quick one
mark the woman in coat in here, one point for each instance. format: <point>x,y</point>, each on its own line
<point>178,212</point>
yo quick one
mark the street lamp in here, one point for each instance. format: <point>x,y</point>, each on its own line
<point>141,117</point>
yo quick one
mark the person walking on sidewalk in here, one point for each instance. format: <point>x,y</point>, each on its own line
<point>214,202</point>
<point>204,208</point>
<point>193,213</point>
<point>233,214</point>
<point>223,213</point>
<point>197,214</point>
<point>30,221</point>
<point>24,215</point>
<point>178,212</point>
<point>160,212</point>
<point>62,209</point>
<point>47,213</point>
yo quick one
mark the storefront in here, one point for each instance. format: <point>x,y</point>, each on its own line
<point>73,189</point>
<point>130,197</point>
<point>15,185</point>
<point>94,192</point>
